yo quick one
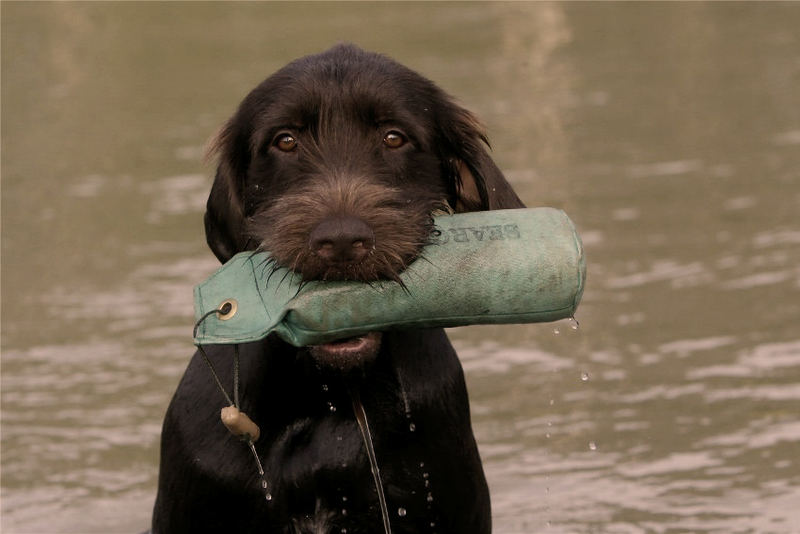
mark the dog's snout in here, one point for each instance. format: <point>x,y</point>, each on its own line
<point>342,239</point>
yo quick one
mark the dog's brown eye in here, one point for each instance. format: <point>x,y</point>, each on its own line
<point>394,139</point>
<point>285,142</point>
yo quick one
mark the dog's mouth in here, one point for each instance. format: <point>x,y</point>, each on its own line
<point>347,353</point>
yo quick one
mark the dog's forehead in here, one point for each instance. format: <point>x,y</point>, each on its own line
<point>373,91</point>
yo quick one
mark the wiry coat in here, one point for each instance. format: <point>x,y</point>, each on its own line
<point>354,138</point>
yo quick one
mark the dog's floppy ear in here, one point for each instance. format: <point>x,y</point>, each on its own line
<point>224,218</point>
<point>480,185</point>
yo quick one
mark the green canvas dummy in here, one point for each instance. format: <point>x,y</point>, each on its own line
<point>503,266</point>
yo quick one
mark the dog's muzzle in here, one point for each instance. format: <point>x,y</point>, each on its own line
<point>341,242</point>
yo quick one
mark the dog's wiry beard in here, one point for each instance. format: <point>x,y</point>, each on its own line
<point>401,227</point>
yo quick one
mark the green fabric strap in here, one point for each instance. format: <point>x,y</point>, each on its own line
<point>503,266</point>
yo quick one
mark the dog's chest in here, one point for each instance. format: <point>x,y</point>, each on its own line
<point>322,479</point>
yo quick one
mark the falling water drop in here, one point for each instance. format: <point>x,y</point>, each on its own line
<point>401,512</point>
<point>412,427</point>
<point>556,331</point>
<point>592,446</point>
<point>429,498</point>
<point>584,376</point>
<point>268,496</point>
<point>573,323</point>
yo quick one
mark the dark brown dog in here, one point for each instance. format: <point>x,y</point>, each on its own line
<point>335,165</point>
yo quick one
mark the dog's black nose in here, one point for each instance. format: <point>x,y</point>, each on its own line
<point>342,239</point>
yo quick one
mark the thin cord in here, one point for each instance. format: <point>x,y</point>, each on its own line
<point>363,425</point>
<point>211,366</point>
<point>236,375</point>
<point>235,401</point>
<point>215,375</point>
<point>200,321</point>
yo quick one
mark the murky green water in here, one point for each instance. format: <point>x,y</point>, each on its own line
<point>669,132</point>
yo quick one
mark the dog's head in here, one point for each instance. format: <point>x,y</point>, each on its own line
<point>346,143</point>
<point>335,165</point>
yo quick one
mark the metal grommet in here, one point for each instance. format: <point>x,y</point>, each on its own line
<point>227,309</point>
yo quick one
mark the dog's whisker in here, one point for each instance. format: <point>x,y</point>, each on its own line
<point>273,268</point>
<point>286,274</point>
<point>300,287</point>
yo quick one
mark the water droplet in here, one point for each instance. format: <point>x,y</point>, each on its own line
<point>556,331</point>
<point>332,408</point>
<point>552,402</point>
<point>324,387</point>
<point>268,496</point>
<point>343,531</point>
<point>547,435</point>
<point>344,511</point>
<point>573,323</point>
<point>429,498</point>
<point>424,475</point>
<point>264,484</point>
<point>339,438</point>
<point>422,464</point>
<point>584,376</point>
<point>433,524</point>
<point>401,512</point>
<point>592,446</point>
<point>344,498</point>
<point>412,427</point>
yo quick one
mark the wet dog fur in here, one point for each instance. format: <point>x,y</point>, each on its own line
<point>335,164</point>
